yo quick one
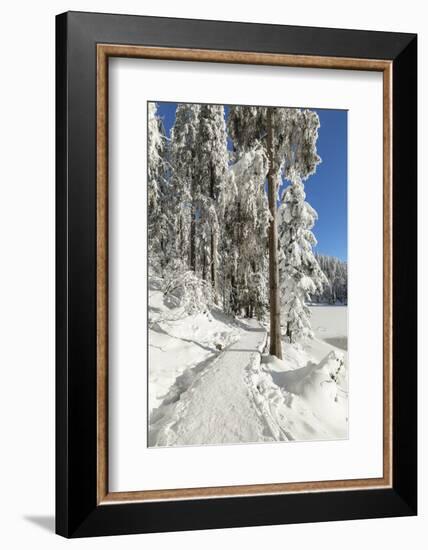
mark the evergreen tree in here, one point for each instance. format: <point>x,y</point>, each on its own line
<point>336,272</point>
<point>211,177</point>
<point>288,138</point>
<point>301,274</point>
<point>244,243</point>
<point>183,183</point>
<point>158,224</point>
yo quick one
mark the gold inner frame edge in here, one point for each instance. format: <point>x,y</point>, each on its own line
<point>104,52</point>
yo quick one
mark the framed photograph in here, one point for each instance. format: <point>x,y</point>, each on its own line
<point>236,274</point>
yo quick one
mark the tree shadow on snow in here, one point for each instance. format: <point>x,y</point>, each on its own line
<point>157,328</point>
<point>291,378</point>
<point>219,315</point>
<point>242,350</point>
<point>254,329</point>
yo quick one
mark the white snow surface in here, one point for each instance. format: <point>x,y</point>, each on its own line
<point>211,381</point>
<point>213,405</point>
<point>179,343</point>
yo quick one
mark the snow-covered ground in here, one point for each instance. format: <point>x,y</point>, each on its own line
<point>306,394</point>
<point>214,406</point>
<point>181,344</point>
<point>211,382</point>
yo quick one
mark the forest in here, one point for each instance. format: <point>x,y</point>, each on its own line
<point>336,272</point>
<point>218,232</point>
<point>230,230</point>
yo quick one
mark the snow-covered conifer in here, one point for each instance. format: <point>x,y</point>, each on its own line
<point>300,273</point>
<point>212,177</point>
<point>183,188</point>
<point>244,243</point>
<point>158,223</point>
<point>336,272</point>
<point>288,137</point>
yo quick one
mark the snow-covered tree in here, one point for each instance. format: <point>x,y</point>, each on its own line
<point>209,212</point>
<point>244,242</point>
<point>158,221</point>
<point>300,273</point>
<point>211,177</point>
<point>288,138</point>
<point>183,187</point>
<point>183,288</point>
<point>336,272</point>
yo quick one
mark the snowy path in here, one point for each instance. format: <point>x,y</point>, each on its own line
<point>217,406</point>
<point>238,395</point>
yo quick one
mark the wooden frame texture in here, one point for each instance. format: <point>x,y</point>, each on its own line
<point>85,42</point>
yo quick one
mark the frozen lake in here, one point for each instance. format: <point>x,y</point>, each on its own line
<point>330,324</point>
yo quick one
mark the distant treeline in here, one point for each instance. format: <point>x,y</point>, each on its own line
<point>336,272</point>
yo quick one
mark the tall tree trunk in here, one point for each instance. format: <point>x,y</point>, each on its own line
<point>288,334</point>
<point>162,259</point>
<point>233,294</point>
<point>213,245</point>
<point>192,239</point>
<point>180,238</point>
<point>204,266</point>
<point>214,266</point>
<point>275,314</point>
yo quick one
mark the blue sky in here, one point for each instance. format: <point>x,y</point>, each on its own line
<point>326,190</point>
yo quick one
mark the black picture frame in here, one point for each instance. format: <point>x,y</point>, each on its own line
<point>77,511</point>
